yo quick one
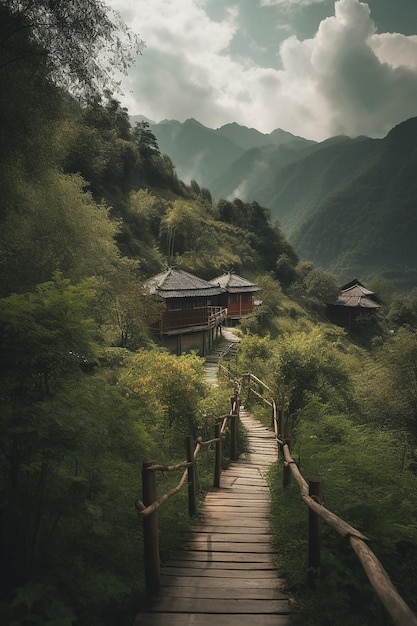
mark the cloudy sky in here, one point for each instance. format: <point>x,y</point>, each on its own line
<point>315,68</point>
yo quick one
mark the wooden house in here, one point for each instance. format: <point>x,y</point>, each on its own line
<point>193,314</point>
<point>237,295</point>
<point>354,300</point>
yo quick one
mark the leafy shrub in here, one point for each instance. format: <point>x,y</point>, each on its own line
<point>366,485</point>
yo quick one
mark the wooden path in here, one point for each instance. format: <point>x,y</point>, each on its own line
<point>225,575</point>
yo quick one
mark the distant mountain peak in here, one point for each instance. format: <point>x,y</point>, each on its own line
<point>191,121</point>
<point>140,118</point>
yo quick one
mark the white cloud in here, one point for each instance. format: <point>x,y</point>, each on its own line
<point>346,79</point>
<point>395,49</point>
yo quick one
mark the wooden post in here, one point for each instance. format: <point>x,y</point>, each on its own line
<point>279,417</point>
<point>315,490</point>
<point>232,404</point>
<point>286,425</point>
<point>189,444</point>
<point>150,531</point>
<point>218,455</point>
<point>287,469</point>
<point>234,419</point>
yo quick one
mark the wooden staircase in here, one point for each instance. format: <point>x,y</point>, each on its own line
<point>225,574</point>
<point>223,353</point>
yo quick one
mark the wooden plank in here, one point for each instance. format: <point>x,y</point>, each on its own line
<point>219,581</point>
<point>217,572</point>
<point>223,557</point>
<point>224,593</point>
<point>225,575</point>
<point>225,607</point>
<point>223,537</point>
<point>238,527</point>
<point>238,565</point>
<point>231,547</point>
<point>192,619</point>
<point>261,525</point>
<point>246,495</point>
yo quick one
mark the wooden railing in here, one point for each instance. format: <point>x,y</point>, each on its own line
<point>147,507</point>
<point>312,495</point>
<point>209,316</point>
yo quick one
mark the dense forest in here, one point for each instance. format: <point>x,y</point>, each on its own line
<point>89,210</point>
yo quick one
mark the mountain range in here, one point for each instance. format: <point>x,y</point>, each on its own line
<point>348,204</point>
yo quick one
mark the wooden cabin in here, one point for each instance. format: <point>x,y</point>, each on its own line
<point>237,295</point>
<point>193,315</point>
<point>354,300</point>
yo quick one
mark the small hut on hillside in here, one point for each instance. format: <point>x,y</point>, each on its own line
<point>238,295</point>
<point>193,315</point>
<point>353,301</point>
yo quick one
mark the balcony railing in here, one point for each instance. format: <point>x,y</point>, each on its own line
<point>209,316</point>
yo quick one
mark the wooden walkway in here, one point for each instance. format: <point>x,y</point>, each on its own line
<point>225,574</point>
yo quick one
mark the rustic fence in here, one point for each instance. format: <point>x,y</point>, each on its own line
<point>147,507</point>
<point>312,495</point>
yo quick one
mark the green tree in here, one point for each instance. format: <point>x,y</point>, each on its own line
<point>174,384</point>
<point>321,285</point>
<point>307,363</point>
<point>285,269</point>
<point>139,233</point>
<point>70,451</point>
<point>97,143</point>
<point>54,225</point>
<point>78,54</point>
<point>127,305</point>
<point>402,311</point>
<point>388,388</point>
<point>45,337</point>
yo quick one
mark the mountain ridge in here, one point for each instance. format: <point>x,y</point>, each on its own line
<point>347,204</point>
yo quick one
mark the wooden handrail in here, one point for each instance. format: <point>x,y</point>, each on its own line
<point>148,510</point>
<point>397,608</point>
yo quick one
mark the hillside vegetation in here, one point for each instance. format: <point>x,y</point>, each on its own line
<point>356,195</point>
<point>90,208</point>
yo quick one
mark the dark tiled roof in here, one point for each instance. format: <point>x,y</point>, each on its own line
<point>355,295</point>
<point>234,284</point>
<point>175,283</point>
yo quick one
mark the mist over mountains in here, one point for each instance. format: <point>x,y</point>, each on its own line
<point>348,204</point>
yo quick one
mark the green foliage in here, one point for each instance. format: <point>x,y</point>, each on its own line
<point>254,354</point>
<point>140,230</point>
<point>97,143</point>
<point>201,244</point>
<point>278,311</point>
<point>54,225</point>
<point>386,389</point>
<point>89,208</point>
<point>44,336</point>
<point>71,448</point>
<point>124,308</point>
<point>169,386</point>
<point>78,54</point>
<point>309,362</point>
<point>402,311</point>
<point>266,236</point>
<point>321,285</point>
<point>366,485</point>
